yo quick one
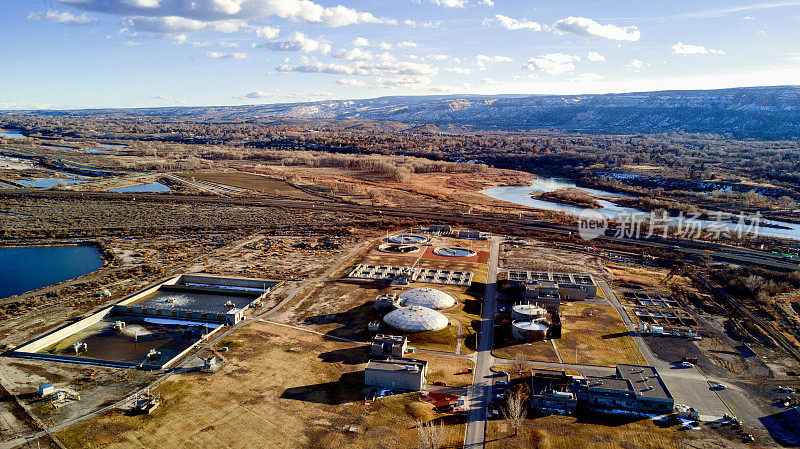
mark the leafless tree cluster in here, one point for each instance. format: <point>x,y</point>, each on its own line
<point>431,435</point>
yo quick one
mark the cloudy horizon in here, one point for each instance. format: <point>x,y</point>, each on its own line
<point>149,53</point>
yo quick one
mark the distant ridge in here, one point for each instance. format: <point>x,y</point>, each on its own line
<point>754,112</point>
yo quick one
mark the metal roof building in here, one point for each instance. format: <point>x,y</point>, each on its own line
<point>426,297</point>
<point>416,319</point>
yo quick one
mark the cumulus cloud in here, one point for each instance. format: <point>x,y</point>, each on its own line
<point>688,49</point>
<point>350,82</point>
<point>256,94</point>
<point>587,78</point>
<point>62,17</point>
<point>305,11</point>
<point>552,63</point>
<point>488,3</point>
<point>407,44</point>
<point>488,81</point>
<point>482,60</point>
<point>595,57</point>
<point>224,55</point>
<point>450,3</point>
<point>385,46</point>
<point>459,70</point>
<point>511,23</point>
<point>361,42</point>
<point>583,26</point>
<point>635,65</point>
<point>268,32</point>
<point>298,42</point>
<point>317,67</point>
<point>175,24</point>
<point>361,68</point>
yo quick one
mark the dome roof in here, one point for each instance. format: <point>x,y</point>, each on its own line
<point>415,319</point>
<point>426,297</point>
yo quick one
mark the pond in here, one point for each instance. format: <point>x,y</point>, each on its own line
<point>522,195</point>
<point>152,187</point>
<point>12,134</point>
<point>26,268</point>
<point>50,182</point>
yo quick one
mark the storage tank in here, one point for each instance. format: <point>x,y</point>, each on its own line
<point>529,330</point>
<point>426,297</point>
<point>416,319</point>
<point>527,312</point>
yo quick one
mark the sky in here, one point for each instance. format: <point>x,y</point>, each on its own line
<point>67,54</point>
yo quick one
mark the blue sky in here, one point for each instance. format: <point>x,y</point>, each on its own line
<point>137,53</point>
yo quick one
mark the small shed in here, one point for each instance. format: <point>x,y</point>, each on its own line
<point>46,389</point>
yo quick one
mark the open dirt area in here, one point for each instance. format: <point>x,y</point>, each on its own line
<point>541,256</point>
<point>281,388</point>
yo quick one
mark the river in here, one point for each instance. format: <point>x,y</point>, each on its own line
<point>522,195</point>
<point>26,268</point>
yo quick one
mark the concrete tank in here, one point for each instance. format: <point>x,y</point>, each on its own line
<point>529,330</point>
<point>527,312</point>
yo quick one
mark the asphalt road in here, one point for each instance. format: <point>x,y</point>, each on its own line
<point>483,377</point>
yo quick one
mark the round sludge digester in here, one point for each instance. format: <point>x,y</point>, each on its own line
<point>426,297</point>
<point>527,312</point>
<point>529,330</point>
<point>415,319</point>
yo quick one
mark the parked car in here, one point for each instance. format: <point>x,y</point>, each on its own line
<point>687,364</point>
<point>718,387</point>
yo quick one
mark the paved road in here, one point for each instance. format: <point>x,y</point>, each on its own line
<point>482,376</point>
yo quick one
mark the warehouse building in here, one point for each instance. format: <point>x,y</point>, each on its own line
<point>635,388</point>
<point>404,374</point>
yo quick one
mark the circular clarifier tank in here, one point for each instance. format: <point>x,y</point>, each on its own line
<point>454,252</point>
<point>408,239</point>
<point>399,248</point>
<point>529,330</point>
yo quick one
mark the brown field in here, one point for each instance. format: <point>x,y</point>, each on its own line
<point>567,432</point>
<point>255,182</point>
<point>280,388</point>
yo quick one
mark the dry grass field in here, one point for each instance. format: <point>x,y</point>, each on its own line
<point>258,183</point>
<point>281,388</point>
<point>567,432</point>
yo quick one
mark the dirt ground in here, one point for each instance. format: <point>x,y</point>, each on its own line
<point>541,256</point>
<point>281,388</point>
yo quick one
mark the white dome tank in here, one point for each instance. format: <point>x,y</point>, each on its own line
<point>415,319</point>
<point>527,312</point>
<point>426,297</point>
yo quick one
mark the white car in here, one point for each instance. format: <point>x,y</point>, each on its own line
<point>687,364</point>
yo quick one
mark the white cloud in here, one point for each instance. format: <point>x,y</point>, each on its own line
<point>435,57</point>
<point>318,67</point>
<point>355,54</point>
<point>595,57</point>
<point>688,49</point>
<point>62,17</point>
<point>161,97</point>
<point>268,32</point>
<point>552,63</point>
<point>510,23</point>
<point>635,65</point>
<point>257,94</point>
<point>361,42</point>
<point>350,82</point>
<point>483,59</point>
<point>583,26</point>
<point>228,44</point>
<point>587,78</point>
<point>223,55</point>
<point>143,3</point>
<point>174,24</point>
<point>450,3</point>
<point>488,81</point>
<point>407,44</point>
<point>404,82</point>
<point>459,70</point>
<point>298,42</point>
<point>132,44</point>
<point>385,46</point>
<point>305,11</point>
<point>361,68</point>
<point>488,3</point>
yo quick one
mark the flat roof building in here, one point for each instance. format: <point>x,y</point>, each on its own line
<point>634,388</point>
<point>405,374</point>
<point>389,345</point>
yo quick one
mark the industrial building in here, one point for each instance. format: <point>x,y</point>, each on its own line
<point>404,374</point>
<point>634,388</point>
<point>388,346</point>
<point>568,286</point>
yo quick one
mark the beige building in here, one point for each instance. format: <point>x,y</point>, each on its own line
<point>405,374</point>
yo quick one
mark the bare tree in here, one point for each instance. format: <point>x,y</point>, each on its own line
<point>519,364</point>
<point>516,410</point>
<point>431,436</point>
